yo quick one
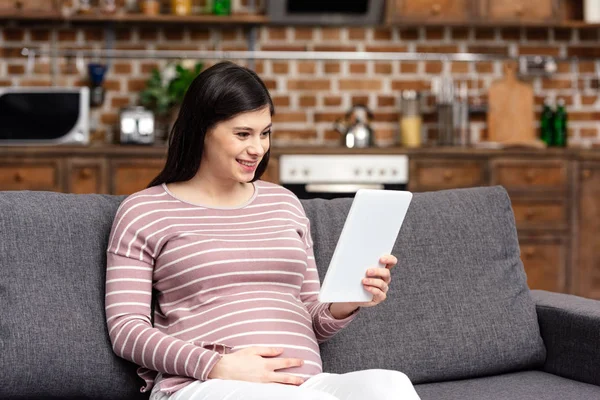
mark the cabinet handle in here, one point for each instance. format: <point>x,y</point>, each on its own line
<point>519,11</point>
<point>435,9</point>
<point>586,173</point>
<point>18,177</point>
<point>529,214</point>
<point>448,175</point>
<point>85,173</point>
<point>530,176</point>
<point>529,252</point>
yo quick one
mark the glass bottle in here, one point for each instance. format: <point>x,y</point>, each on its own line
<point>221,7</point>
<point>181,7</point>
<point>560,124</point>
<point>411,120</point>
<point>547,124</point>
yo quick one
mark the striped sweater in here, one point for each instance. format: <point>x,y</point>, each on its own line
<point>219,280</point>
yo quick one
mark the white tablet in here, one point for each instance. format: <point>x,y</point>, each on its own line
<point>370,231</point>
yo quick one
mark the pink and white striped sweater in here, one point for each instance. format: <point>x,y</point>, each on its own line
<point>220,279</point>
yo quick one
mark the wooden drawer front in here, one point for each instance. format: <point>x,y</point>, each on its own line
<point>525,175</point>
<point>38,176</point>
<point>536,214</point>
<point>86,177</point>
<point>544,264</point>
<point>441,174</point>
<point>455,10</point>
<point>511,10</point>
<point>134,176</point>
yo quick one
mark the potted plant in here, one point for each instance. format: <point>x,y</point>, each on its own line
<point>164,93</point>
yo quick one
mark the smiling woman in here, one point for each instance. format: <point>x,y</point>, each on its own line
<point>227,260</point>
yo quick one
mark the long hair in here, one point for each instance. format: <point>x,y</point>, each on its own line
<point>218,94</point>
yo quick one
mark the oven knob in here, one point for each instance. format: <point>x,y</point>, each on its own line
<point>306,172</point>
<point>394,172</point>
<point>292,172</point>
<point>382,172</point>
<point>357,172</point>
<point>369,172</point>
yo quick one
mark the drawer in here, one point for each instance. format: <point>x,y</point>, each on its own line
<point>530,175</point>
<point>37,175</point>
<point>511,10</point>
<point>539,214</point>
<point>544,262</point>
<point>132,176</point>
<point>86,176</point>
<point>427,10</point>
<point>445,174</point>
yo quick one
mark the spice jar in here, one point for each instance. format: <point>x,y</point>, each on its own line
<point>150,7</point>
<point>410,120</point>
<point>181,7</point>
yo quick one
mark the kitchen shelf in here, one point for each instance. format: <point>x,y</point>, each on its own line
<point>495,24</point>
<point>241,19</point>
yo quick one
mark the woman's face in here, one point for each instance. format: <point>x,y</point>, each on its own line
<point>234,148</point>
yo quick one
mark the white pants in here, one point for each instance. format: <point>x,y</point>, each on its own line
<point>380,384</point>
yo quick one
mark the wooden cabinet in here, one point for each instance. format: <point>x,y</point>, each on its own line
<point>34,174</point>
<point>586,277</point>
<point>544,260</point>
<point>132,175</point>
<point>555,194</point>
<point>86,176</point>
<point>429,10</point>
<point>437,174</point>
<point>511,10</point>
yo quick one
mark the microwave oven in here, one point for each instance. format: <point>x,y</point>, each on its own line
<point>44,116</point>
<point>324,12</point>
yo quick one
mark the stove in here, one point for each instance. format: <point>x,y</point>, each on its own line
<point>332,176</point>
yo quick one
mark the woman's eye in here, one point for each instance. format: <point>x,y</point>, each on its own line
<point>266,133</point>
<point>243,134</point>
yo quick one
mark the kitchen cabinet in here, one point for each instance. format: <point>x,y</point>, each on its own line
<point>433,173</point>
<point>510,10</point>
<point>86,176</point>
<point>586,277</point>
<point>429,10</point>
<point>555,193</point>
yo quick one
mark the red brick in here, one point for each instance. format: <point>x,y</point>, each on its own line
<point>556,84</point>
<point>306,67</point>
<point>307,101</point>
<point>330,33</point>
<point>121,68</point>
<point>386,101</point>
<point>289,116</point>
<point>334,48</point>
<point>362,84</point>
<point>357,33</point>
<point>434,33</point>
<point>119,102</point>
<point>382,34</point>
<point>276,33</point>
<point>409,67</point>
<point>308,84</point>
<point>332,68</point>
<point>14,35</point>
<point>280,68</point>
<point>281,101</point>
<point>330,101</point>
<point>197,33</point>
<point>386,48</point>
<point>410,85</point>
<point>383,68</point>
<point>358,68</point>
<point>433,67</point>
<point>15,69</point>
<point>303,33</point>
<point>294,134</point>
<point>328,116</point>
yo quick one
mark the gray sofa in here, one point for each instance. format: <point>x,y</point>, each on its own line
<point>460,320</point>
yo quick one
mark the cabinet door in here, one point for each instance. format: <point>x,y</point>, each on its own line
<point>438,174</point>
<point>428,10</point>
<point>130,176</point>
<point>31,174</point>
<point>587,271</point>
<point>531,176</point>
<point>544,260</point>
<point>86,176</point>
<point>510,10</point>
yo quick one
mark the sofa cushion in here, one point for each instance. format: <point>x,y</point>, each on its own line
<point>529,385</point>
<point>53,337</point>
<point>459,305</point>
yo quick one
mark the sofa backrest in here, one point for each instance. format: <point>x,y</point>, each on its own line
<point>458,306</point>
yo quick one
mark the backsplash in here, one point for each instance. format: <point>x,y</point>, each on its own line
<point>310,95</point>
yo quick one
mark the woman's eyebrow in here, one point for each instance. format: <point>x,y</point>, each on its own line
<point>247,128</point>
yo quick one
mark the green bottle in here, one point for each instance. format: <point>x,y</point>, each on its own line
<point>560,124</point>
<point>547,124</point>
<point>221,7</point>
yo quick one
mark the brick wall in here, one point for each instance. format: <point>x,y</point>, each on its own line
<point>310,95</point>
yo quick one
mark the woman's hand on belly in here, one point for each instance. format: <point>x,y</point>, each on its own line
<point>254,365</point>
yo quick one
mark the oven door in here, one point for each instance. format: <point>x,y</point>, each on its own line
<point>336,190</point>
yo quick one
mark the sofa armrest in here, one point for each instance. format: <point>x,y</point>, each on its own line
<point>570,328</point>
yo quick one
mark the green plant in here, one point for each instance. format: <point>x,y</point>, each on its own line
<point>165,90</point>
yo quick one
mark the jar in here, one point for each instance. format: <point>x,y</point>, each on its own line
<point>181,7</point>
<point>150,7</point>
<point>411,119</point>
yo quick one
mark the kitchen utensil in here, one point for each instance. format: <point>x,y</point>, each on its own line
<point>510,116</point>
<point>355,127</point>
